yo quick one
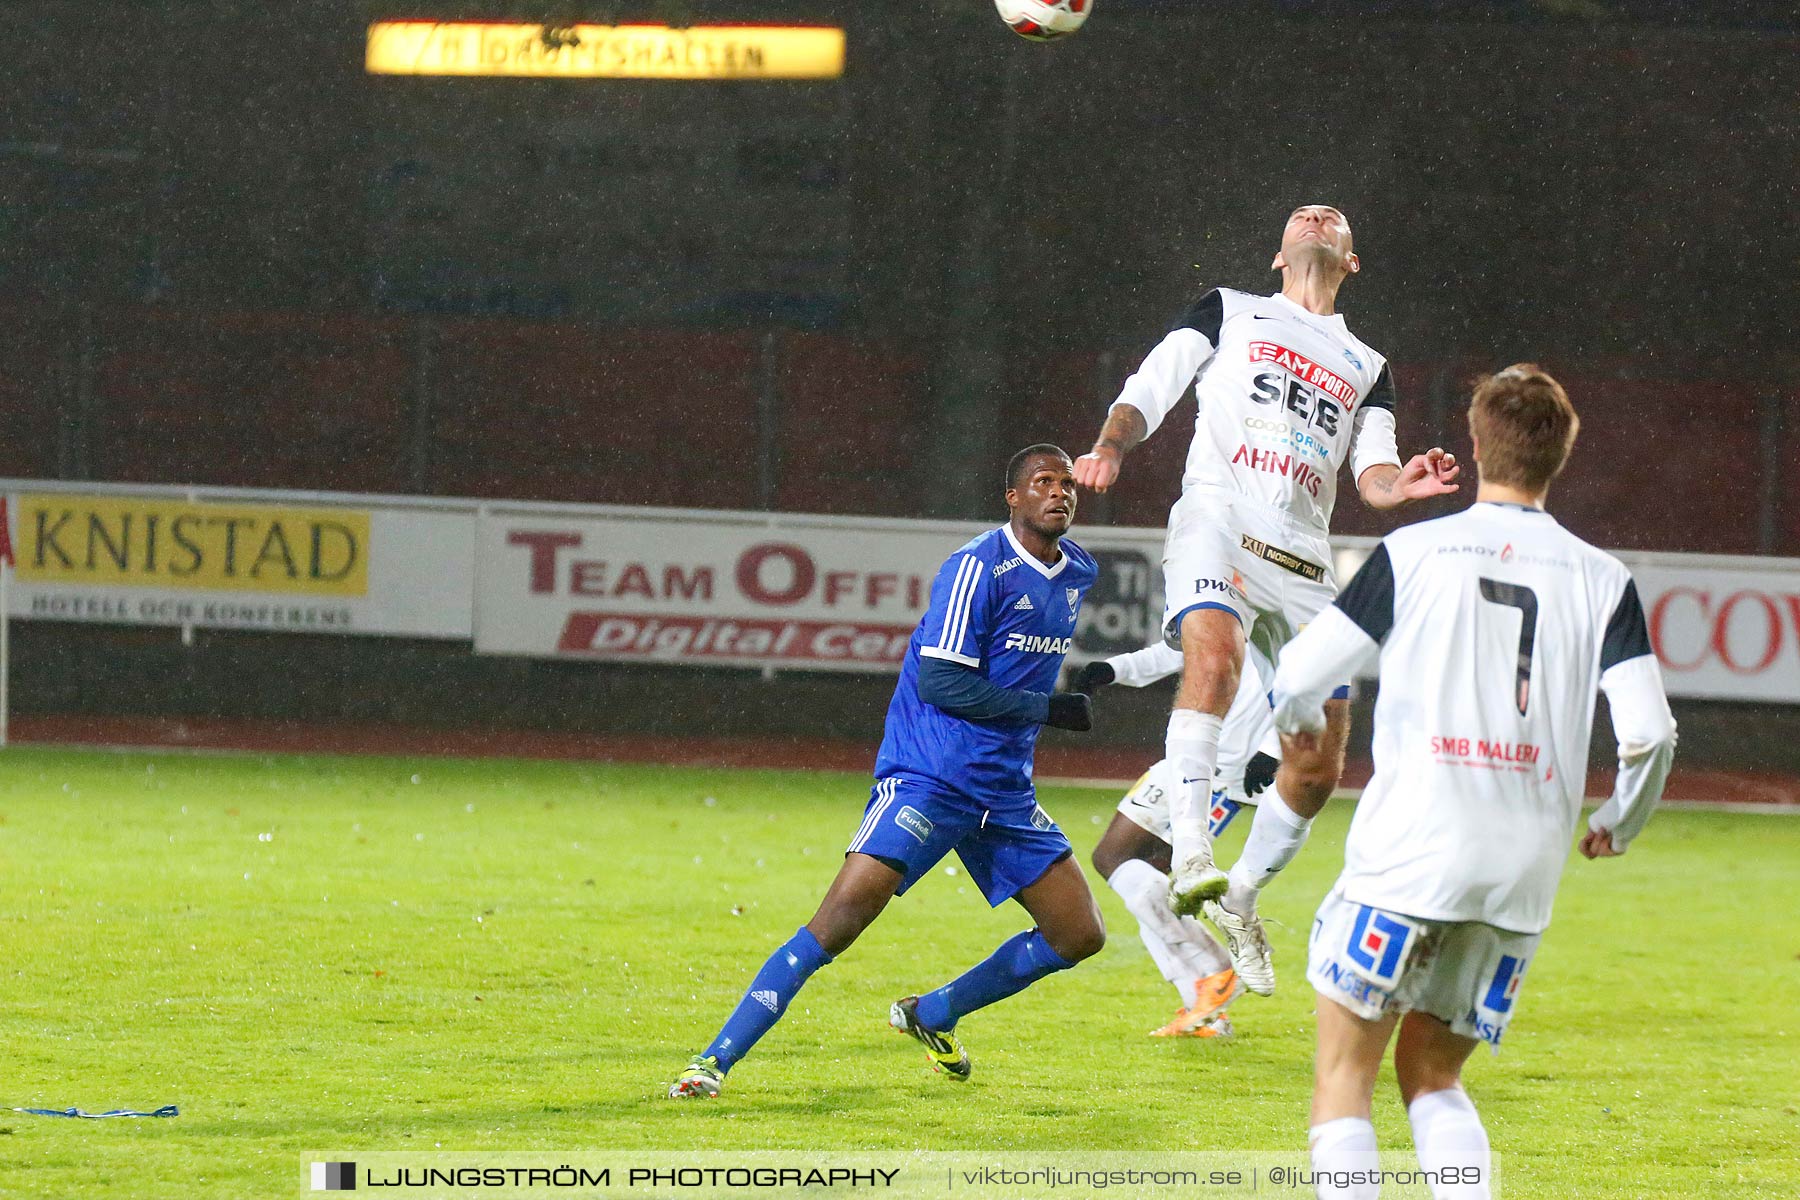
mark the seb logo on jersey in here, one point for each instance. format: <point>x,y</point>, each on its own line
<point>1301,386</point>
<point>1311,392</point>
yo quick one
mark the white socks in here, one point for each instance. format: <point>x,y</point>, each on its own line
<point>1192,748</point>
<point>1446,1130</point>
<point>1346,1144</point>
<point>1449,1136</point>
<point>1182,950</point>
<point>1276,835</point>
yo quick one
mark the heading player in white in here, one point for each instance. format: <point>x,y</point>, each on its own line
<point>1493,628</point>
<point>1287,396</point>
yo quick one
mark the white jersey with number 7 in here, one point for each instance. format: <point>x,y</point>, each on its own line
<point>1494,628</point>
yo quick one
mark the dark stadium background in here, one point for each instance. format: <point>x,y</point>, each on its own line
<point>228,256</point>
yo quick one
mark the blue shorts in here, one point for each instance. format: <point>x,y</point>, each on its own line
<point>1005,849</point>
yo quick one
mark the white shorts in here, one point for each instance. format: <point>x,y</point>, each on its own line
<point>1248,727</point>
<point>1146,805</point>
<point>1212,560</point>
<point>1374,962</point>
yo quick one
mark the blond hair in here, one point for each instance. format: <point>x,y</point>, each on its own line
<point>1525,427</point>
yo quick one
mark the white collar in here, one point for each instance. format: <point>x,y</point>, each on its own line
<point>1032,560</point>
<point>1335,318</point>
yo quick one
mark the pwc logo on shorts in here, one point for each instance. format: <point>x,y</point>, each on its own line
<point>1378,945</point>
<point>1032,643</point>
<point>1204,586</point>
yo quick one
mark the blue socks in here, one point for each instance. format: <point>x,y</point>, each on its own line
<point>1020,961</point>
<point>780,979</point>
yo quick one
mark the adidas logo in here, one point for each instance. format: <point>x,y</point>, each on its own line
<point>768,1000</point>
<point>1024,604</point>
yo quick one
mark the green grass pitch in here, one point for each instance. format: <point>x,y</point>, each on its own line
<point>393,954</point>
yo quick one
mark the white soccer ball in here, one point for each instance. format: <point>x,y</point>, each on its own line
<point>1043,20</point>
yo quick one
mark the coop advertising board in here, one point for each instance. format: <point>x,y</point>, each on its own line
<point>296,564</point>
<point>1723,629</point>
<point>695,588</point>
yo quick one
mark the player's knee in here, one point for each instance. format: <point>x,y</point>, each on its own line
<point>1421,1079</point>
<point>1108,858</point>
<point>1308,781</point>
<point>1210,681</point>
<point>1085,945</point>
<point>1082,941</point>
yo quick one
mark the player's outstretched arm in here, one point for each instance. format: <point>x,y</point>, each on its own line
<point>1156,387</point>
<point>1098,469</point>
<point>1136,669</point>
<point>1432,473</point>
<point>964,692</point>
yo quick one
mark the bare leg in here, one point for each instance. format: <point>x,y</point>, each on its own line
<point>1342,1137</point>
<point>1309,773</point>
<point>1065,912</point>
<point>863,887</point>
<point>1310,770</point>
<point>1125,839</point>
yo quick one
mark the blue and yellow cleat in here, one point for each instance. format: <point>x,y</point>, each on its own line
<point>702,1078</point>
<point>943,1049</point>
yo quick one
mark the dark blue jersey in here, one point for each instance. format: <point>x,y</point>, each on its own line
<point>998,610</point>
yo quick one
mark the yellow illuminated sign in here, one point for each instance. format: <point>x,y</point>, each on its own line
<point>605,51</point>
<point>142,542</point>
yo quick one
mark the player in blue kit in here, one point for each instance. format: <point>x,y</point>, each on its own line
<point>954,773</point>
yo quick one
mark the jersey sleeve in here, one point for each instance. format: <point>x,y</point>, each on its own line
<point>960,618</point>
<point>1143,667</point>
<point>1169,370</point>
<point>1627,634</point>
<point>1372,437</point>
<point>1645,728</point>
<point>1331,649</point>
<point>1368,600</point>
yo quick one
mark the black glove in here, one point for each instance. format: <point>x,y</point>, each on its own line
<point>1071,710</point>
<point>1096,674</point>
<point>1260,772</point>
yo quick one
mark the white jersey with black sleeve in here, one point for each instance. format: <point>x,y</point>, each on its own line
<point>1286,397</point>
<point>1494,628</point>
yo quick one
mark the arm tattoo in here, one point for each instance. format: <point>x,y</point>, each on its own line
<point>1125,427</point>
<point>1383,485</point>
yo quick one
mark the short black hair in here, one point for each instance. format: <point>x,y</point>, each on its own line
<point>1017,466</point>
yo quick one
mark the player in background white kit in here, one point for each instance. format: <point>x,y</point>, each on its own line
<point>1493,627</point>
<point>1287,396</point>
<point>1133,854</point>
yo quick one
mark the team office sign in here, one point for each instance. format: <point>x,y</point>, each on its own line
<point>660,586</point>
